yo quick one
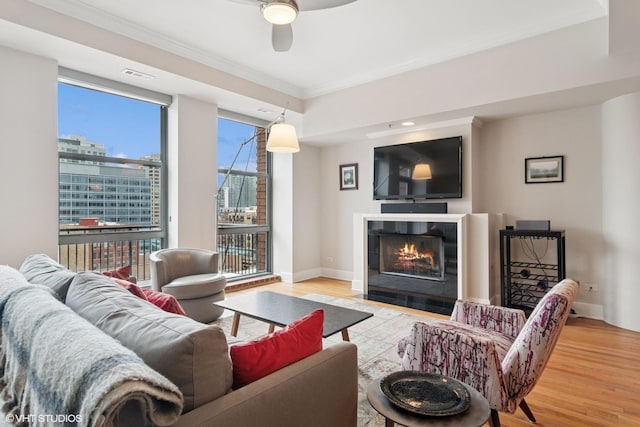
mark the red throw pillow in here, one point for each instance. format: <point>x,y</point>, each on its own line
<point>123,272</point>
<point>256,359</point>
<point>164,301</point>
<point>131,287</point>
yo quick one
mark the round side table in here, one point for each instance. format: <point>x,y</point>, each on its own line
<point>477,414</point>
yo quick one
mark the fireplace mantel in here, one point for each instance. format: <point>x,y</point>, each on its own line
<point>472,238</point>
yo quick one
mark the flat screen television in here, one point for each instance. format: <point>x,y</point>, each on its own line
<point>393,168</point>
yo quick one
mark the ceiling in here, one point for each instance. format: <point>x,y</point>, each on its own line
<point>333,48</point>
<point>220,51</point>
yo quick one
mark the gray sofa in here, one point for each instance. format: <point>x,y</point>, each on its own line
<point>320,390</point>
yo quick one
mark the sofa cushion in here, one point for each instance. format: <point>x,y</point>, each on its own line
<point>256,359</point>
<point>192,355</point>
<point>42,270</point>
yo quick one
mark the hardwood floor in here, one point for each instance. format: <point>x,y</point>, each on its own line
<point>592,378</point>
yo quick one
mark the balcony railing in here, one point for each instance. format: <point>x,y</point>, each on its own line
<point>244,251</point>
<point>102,248</point>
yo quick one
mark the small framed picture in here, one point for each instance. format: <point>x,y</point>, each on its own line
<point>543,169</point>
<point>349,176</point>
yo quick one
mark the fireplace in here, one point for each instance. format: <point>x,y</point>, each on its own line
<point>465,259</point>
<point>413,264</point>
<point>420,257</point>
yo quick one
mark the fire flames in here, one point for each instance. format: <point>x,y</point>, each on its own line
<point>409,254</point>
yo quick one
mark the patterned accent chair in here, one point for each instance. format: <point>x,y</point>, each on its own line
<point>496,350</point>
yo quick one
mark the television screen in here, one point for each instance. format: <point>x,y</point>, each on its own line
<point>395,175</point>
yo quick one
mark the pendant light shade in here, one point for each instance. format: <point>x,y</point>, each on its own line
<point>421,171</point>
<point>283,139</point>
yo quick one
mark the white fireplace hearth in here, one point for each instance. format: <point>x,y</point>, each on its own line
<point>472,251</point>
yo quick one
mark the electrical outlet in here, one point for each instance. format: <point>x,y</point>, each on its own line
<point>591,287</point>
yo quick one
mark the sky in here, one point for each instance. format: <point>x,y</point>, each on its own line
<point>130,128</point>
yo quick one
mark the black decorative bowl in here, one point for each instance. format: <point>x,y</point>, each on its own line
<point>426,394</point>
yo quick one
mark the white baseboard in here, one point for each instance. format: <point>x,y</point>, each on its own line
<point>307,274</point>
<point>312,273</point>
<point>332,273</point>
<point>286,277</point>
<point>582,309</point>
<point>591,311</point>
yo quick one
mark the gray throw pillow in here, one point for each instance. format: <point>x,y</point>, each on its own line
<point>192,355</point>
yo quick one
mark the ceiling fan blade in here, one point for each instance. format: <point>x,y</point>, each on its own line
<point>281,37</point>
<point>247,2</point>
<point>320,4</point>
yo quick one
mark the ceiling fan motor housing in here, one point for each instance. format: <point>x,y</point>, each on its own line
<point>279,12</point>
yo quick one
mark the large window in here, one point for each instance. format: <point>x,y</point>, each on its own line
<point>243,200</point>
<point>111,177</point>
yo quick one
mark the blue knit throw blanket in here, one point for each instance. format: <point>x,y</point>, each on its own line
<point>57,369</point>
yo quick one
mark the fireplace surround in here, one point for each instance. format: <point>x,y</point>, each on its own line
<point>470,237</point>
<point>413,264</point>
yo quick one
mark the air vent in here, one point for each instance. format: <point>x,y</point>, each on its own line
<point>137,74</point>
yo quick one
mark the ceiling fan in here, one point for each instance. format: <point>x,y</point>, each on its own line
<point>281,13</point>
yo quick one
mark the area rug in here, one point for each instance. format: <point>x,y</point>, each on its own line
<point>375,337</point>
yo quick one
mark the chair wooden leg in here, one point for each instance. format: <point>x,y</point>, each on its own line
<point>527,411</point>
<point>494,419</point>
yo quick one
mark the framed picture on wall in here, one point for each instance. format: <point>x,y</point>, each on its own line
<point>349,176</point>
<point>543,169</point>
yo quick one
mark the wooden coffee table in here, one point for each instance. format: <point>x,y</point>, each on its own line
<point>280,310</point>
<point>477,414</point>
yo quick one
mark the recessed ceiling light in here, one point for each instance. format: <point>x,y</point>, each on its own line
<point>138,74</point>
<point>408,123</point>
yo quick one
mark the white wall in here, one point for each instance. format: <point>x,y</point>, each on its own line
<point>192,165</point>
<point>339,206</point>
<point>282,210</point>
<point>574,205</point>
<point>621,210</point>
<point>29,159</point>
<point>307,214</point>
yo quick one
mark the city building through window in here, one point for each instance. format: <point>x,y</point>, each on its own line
<point>243,202</point>
<point>111,178</point>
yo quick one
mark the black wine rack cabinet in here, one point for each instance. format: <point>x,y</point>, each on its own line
<point>524,282</point>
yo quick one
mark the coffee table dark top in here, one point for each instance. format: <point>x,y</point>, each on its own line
<point>280,310</point>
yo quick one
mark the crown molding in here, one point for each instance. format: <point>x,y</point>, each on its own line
<point>84,12</point>
<point>443,55</point>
